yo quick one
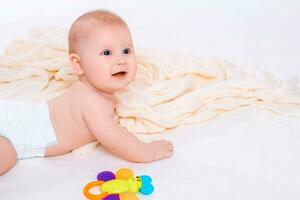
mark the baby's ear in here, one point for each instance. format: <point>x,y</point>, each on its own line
<point>75,63</point>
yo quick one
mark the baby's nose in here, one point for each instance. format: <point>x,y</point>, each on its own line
<point>121,61</point>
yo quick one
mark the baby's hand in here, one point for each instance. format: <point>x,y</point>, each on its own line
<point>163,149</point>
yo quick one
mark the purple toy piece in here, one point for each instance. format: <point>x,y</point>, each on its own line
<point>112,197</point>
<point>106,176</point>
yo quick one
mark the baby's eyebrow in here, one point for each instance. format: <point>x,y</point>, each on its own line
<point>108,47</point>
<point>105,47</point>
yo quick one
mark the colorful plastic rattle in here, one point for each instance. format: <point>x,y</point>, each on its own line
<point>120,186</point>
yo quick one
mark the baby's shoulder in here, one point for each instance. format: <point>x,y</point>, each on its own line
<point>90,102</point>
<point>98,101</point>
<point>98,104</point>
<point>96,109</point>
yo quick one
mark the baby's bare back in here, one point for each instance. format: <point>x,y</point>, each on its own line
<point>66,113</point>
<point>82,115</point>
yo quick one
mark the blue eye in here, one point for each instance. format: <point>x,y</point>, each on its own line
<point>126,51</point>
<point>106,52</point>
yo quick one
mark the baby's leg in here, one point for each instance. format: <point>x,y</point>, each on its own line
<point>8,156</point>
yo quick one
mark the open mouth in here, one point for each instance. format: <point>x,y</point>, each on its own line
<point>119,74</point>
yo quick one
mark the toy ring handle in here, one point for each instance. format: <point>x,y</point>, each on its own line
<point>87,194</point>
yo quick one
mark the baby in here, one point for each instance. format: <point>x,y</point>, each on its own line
<point>102,55</point>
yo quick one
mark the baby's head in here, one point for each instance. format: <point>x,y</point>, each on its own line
<point>101,51</point>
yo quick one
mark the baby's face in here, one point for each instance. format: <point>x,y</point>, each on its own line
<point>108,59</point>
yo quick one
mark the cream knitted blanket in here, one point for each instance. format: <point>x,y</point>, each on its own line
<point>170,89</point>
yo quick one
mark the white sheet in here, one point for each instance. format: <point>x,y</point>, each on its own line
<point>246,154</point>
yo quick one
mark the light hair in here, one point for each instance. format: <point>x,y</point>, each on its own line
<point>88,23</point>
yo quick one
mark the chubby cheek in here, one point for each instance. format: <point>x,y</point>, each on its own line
<point>133,67</point>
<point>97,74</point>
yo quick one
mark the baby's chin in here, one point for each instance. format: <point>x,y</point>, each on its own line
<point>114,88</point>
<point>114,84</point>
<point>119,88</point>
<point>120,83</point>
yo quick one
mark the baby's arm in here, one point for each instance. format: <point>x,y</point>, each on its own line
<point>119,141</point>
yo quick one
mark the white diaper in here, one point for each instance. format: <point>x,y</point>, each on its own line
<point>28,127</point>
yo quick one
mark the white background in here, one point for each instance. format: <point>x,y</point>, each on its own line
<point>265,32</point>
